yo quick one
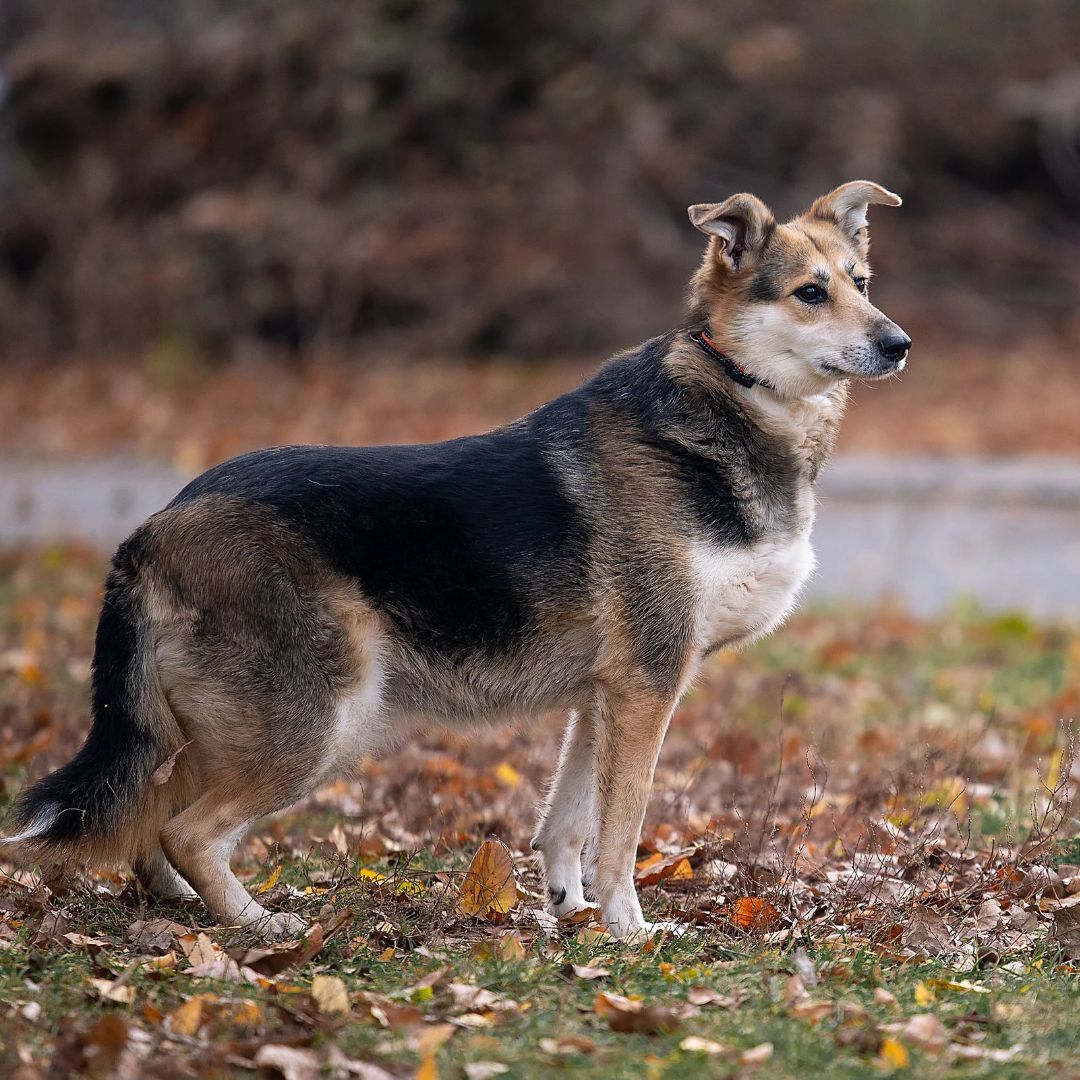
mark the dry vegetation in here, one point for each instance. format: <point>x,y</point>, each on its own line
<point>167,407</point>
<point>863,823</point>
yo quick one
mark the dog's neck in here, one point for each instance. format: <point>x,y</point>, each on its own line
<point>807,425</point>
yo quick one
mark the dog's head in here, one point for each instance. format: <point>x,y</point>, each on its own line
<point>789,303</point>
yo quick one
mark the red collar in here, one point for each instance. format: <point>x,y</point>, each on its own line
<point>733,370</point>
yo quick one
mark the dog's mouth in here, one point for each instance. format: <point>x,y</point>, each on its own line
<point>881,369</point>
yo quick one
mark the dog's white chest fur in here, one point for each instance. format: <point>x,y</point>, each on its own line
<point>743,593</point>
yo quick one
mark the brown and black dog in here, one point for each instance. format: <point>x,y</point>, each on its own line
<point>296,609</point>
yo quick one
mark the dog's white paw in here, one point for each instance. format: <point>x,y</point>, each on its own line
<point>564,901</point>
<point>651,930</point>
<point>280,925</point>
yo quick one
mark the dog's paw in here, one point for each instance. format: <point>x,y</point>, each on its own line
<point>280,925</point>
<point>640,935</point>
<point>563,902</point>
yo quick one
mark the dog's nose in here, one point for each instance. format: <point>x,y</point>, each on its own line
<point>894,346</point>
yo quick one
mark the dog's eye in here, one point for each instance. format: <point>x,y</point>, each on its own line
<point>860,284</point>
<point>812,294</point>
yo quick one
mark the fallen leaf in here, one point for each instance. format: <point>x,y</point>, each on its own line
<point>926,1031</point>
<point>116,992</point>
<point>154,933</point>
<point>695,1044</point>
<point>188,1018</point>
<point>634,1017</point>
<point>655,869</point>
<point>271,881</point>
<point>82,941</point>
<point>754,913</point>
<point>962,986</point>
<point>756,1054</point>
<point>707,995</point>
<point>507,775</point>
<point>884,997</point>
<point>567,1044</point>
<point>198,948</point>
<point>489,888</point>
<point>893,1055</point>
<point>330,994</point>
<point>582,971</point>
<point>292,1062</point>
<point>164,771</point>
<point>485,1070</point>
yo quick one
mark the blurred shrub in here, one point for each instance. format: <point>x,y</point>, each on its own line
<point>509,175</point>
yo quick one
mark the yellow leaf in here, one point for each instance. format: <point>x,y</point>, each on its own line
<point>271,881</point>
<point>923,994</point>
<point>964,986</point>
<point>330,994</point>
<point>428,1069</point>
<point>893,1054</point>
<point>507,775</point>
<point>489,887</point>
<point>245,1014</point>
<point>510,947</point>
<point>188,1018</point>
<point>1053,774</point>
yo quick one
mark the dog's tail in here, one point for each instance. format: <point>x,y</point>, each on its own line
<point>108,803</point>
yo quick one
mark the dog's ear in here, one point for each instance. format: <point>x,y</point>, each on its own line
<point>739,225</point>
<point>847,204</point>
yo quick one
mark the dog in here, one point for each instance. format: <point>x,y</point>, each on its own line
<point>298,608</point>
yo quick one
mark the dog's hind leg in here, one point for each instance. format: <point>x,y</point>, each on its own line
<point>567,819</point>
<point>160,878</point>
<point>200,840</point>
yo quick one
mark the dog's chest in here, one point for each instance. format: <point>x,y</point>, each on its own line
<point>743,593</point>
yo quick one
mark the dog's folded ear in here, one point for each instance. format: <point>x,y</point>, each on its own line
<point>847,205</point>
<point>739,224</point>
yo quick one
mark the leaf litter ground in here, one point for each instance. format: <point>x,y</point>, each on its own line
<point>865,825</point>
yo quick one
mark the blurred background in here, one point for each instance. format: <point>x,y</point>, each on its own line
<point>230,224</point>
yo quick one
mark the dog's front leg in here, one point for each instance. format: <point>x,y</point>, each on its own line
<point>630,730</point>
<point>568,818</point>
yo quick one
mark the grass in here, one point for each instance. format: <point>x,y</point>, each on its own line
<point>934,749</point>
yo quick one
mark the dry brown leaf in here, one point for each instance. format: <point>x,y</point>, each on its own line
<point>163,773</point>
<point>199,948</point>
<point>189,1017</point>
<point>656,868</point>
<point>567,1044</point>
<point>634,1017</point>
<point>294,1063</point>
<point>706,995</point>
<point>927,1032</point>
<point>754,913</point>
<point>489,889</point>
<point>155,933</point>
<point>580,917</point>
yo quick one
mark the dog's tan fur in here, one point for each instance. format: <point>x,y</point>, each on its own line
<point>262,668</point>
